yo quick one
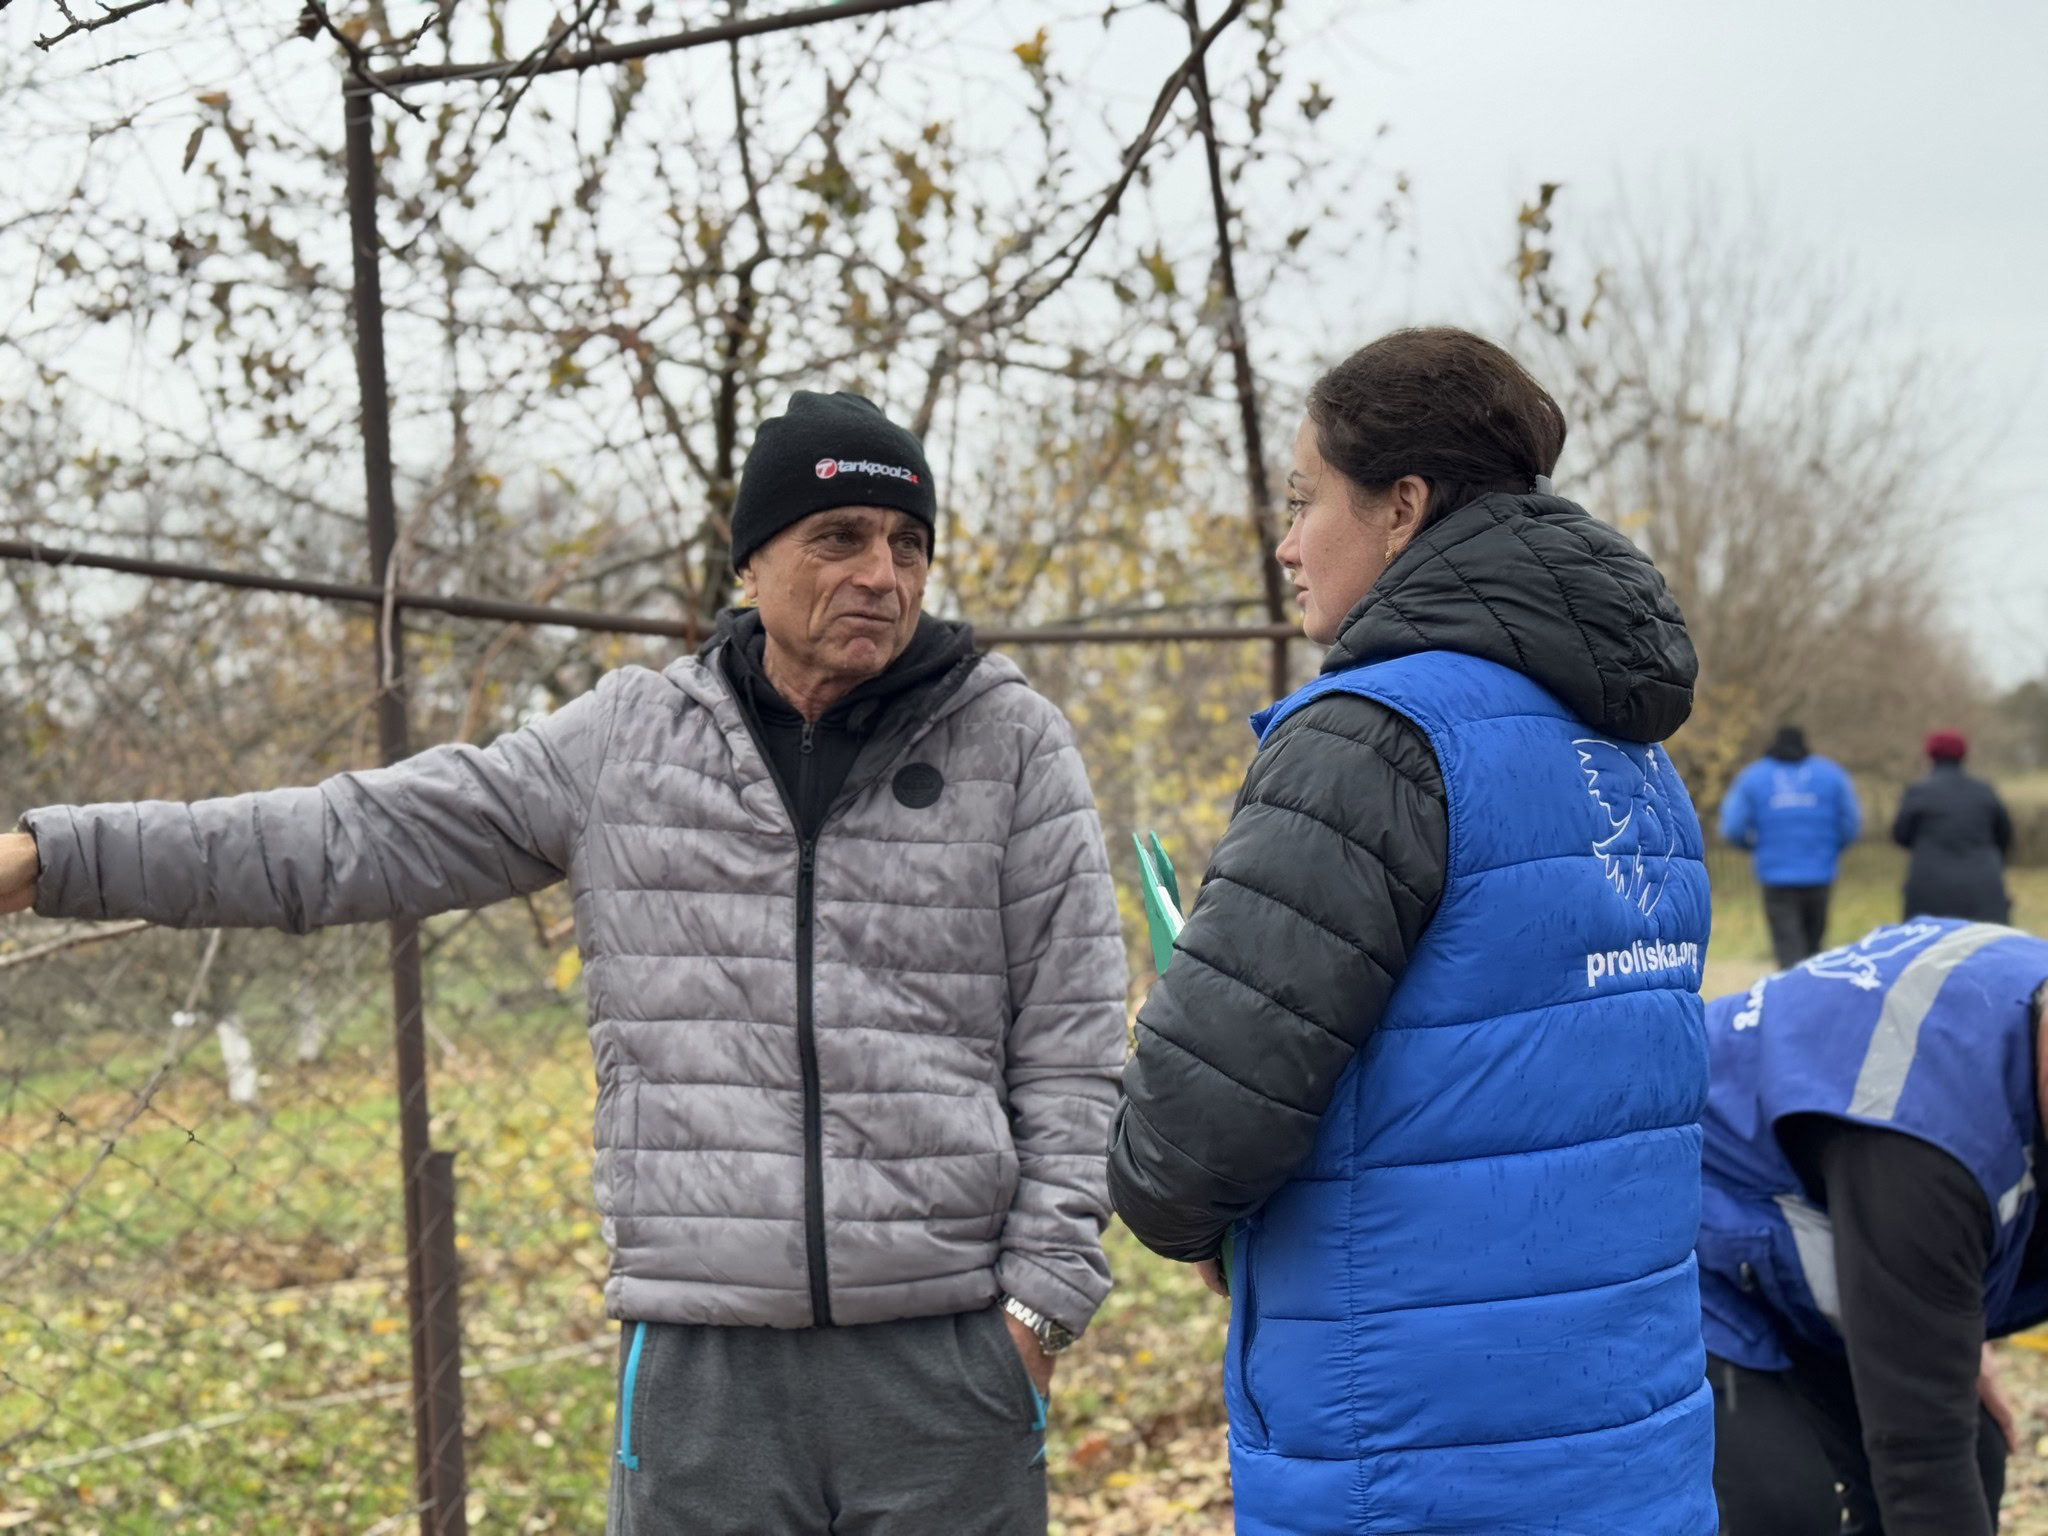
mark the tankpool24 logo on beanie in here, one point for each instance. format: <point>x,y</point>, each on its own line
<point>829,468</point>
<point>827,451</point>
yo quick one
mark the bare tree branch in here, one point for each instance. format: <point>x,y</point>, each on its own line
<point>1076,247</point>
<point>70,941</point>
<point>315,16</point>
<point>107,18</point>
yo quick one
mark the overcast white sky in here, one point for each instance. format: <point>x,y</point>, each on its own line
<point>1906,137</point>
<point>1910,138</point>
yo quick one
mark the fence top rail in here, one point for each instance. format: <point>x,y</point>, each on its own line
<point>507,611</point>
<point>552,62</point>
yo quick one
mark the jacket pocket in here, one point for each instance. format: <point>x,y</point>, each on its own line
<point>1244,1323</point>
<point>1002,1141</point>
<point>1738,1282</point>
<point>628,1151</point>
<point>993,1370</point>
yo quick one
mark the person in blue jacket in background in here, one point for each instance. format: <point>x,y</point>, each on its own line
<point>1421,1087</point>
<point>1795,811</point>
<point>1869,1220</point>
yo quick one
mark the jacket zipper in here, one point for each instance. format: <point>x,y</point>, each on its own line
<point>806,1024</point>
<point>807,1049</point>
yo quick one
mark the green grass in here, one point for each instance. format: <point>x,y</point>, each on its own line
<point>2025,790</point>
<point>1867,894</point>
<point>228,1263</point>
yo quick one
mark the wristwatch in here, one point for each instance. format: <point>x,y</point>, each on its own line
<point>1052,1337</point>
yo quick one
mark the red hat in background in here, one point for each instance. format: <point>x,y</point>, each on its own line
<point>1947,746</point>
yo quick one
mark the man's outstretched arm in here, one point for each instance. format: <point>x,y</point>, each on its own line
<point>18,871</point>
<point>451,827</point>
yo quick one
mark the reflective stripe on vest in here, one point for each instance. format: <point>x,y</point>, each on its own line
<point>1813,1237</point>
<point>1897,1036</point>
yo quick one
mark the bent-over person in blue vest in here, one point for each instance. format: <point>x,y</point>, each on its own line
<point>1422,1084</point>
<point>1869,1220</point>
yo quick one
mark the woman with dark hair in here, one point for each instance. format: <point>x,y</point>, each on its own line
<point>1422,1086</point>
<point>1959,833</point>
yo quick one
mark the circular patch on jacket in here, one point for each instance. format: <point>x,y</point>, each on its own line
<point>917,785</point>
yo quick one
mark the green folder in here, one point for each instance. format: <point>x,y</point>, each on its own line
<point>1163,920</point>
<point>1162,898</point>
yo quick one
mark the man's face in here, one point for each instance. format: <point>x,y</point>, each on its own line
<point>840,592</point>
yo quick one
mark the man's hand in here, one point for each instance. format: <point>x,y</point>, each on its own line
<point>1995,1401</point>
<point>1037,1363</point>
<point>19,867</point>
<point>1211,1271</point>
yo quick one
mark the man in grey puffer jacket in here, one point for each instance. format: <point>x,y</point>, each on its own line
<point>856,995</point>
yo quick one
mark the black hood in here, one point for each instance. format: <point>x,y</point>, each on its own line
<point>1536,584</point>
<point>937,647</point>
<point>1789,745</point>
<point>814,761</point>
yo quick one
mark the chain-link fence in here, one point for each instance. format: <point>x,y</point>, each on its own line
<point>203,1320</point>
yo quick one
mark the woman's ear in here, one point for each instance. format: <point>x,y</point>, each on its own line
<point>1408,509</point>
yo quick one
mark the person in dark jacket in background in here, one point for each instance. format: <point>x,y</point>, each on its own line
<point>1796,811</point>
<point>1429,1056</point>
<point>1869,1220</point>
<point>1959,833</point>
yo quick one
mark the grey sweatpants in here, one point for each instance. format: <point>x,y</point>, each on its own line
<point>926,1427</point>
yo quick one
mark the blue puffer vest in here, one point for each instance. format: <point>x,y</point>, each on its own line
<point>1925,1028</point>
<point>1475,1309</point>
<point>1797,817</point>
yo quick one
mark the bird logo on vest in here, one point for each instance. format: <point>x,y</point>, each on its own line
<point>1792,789</point>
<point>1857,963</point>
<point>1636,840</point>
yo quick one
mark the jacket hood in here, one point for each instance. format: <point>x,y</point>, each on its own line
<point>1535,583</point>
<point>937,649</point>
<point>940,659</point>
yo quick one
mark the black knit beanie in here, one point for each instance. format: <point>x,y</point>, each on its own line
<point>1789,745</point>
<point>827,451</point>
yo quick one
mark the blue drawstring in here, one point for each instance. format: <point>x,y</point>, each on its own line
<point>626,1457</point>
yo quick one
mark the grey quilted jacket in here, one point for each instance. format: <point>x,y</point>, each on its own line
<point>865,1079</point>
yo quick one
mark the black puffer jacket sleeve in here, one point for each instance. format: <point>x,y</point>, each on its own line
<point>1331,868</point>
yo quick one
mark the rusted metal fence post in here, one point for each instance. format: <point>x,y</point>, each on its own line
<point>431,1282</point>
<point>1258,489</point>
